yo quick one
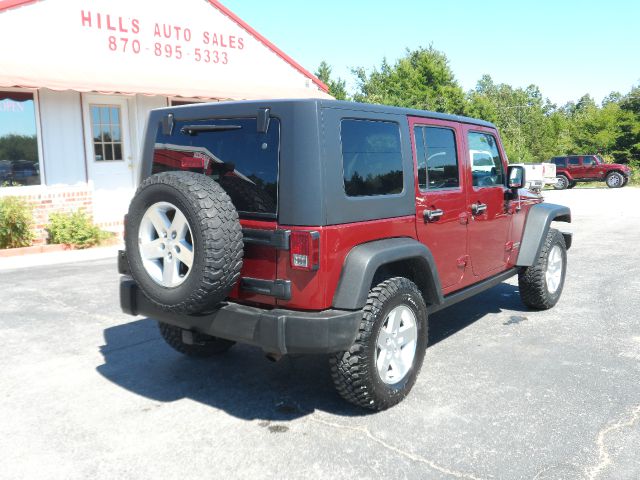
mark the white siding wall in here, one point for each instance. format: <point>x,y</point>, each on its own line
<point>143,105</point>
<point>62,137</point>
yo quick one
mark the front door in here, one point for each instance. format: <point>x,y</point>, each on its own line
<point>108,142</point>
<point>490,221</point>
<point>440,196</point>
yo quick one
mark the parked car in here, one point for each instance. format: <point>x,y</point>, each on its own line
<point>538,175</point>
<point>572,169</point>
<point>329,227</point>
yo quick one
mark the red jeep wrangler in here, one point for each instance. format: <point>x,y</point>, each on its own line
<point>313,226</point>
<point>589,168</point>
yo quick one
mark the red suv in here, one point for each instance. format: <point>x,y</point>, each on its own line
<point>312,226</point>
<point>572,169</point>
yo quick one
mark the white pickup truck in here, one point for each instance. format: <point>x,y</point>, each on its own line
<point>537,175</point>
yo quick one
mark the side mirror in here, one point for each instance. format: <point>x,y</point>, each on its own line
<point>516,176</point>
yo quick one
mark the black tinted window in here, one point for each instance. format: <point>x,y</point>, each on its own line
<point>560,161</point>
<point>574,161</point>
<point>371,157</point>
<point>242,160</point>
<point>588,161</point>
<point>437,158</point>
<point>486,165</point>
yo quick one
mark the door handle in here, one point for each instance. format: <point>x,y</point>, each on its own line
<point>431,215</point>
<point>478,208</point>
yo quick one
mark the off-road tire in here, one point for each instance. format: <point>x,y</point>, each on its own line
<point>354,372</point>
<point>247,195</point>
<point>572,184</point>
<point>217,241</point>
<point>562,182</point>
<point>626,180</point>
<point>615,180</point>
<point>532,280</point>
<point>202,345</point>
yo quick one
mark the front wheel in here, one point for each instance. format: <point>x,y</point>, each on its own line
<point>381,367</point>
<point>615,180</point>
<point>541,284</point>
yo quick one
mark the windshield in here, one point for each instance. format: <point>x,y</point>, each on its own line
<point>232,152</point>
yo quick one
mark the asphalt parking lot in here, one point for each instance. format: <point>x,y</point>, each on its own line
<point>88,392</point>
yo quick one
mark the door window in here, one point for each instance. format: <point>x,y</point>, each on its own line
<point>574,161</point>
<point>588,161</point>
<point>486,165</point>
<point>437,158</point>
<point>106,130</point>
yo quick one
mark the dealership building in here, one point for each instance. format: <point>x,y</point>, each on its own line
<point>79,77</point>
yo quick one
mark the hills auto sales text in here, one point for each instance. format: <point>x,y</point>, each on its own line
<point>169,41</point>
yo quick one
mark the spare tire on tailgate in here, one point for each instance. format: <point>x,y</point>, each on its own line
<point>183,241</point>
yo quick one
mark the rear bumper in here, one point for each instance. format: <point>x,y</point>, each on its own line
<point>275,331</point>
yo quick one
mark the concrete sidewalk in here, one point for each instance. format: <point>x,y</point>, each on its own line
<point>55,258</point>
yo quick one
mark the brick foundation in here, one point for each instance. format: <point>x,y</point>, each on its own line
<point>47,200</point>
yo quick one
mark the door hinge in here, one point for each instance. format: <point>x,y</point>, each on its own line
<point>463,261</point>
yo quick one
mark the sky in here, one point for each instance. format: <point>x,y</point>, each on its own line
<point>566,48</point>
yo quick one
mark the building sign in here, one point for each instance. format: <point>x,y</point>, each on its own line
<point>192,48</point>
<point>164,40</point>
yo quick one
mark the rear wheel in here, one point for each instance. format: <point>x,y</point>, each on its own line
<point>541,284</point>
<point>381,367</point>
<point>615,180</point>
<point>572,184</point>
<point>562,182</point>
<point>191,343</point>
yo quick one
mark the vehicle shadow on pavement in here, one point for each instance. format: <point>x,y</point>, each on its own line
<point>242,382</point>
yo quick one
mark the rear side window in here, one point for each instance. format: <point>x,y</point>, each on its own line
<point>232,152</point>
<point>574,161</point>
<point>437,158</point>
<point>371,157</point>
<point>561,162</point>
<point>486,166</point>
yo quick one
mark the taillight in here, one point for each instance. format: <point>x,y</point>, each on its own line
<point>304,250</point>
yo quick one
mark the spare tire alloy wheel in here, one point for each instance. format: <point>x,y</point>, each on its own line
<point>166,246</point>
<point>184,242</point>
<point>615,180</point>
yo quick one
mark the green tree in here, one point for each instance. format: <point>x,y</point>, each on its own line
<point>337,88</point>
<point>421,79</point>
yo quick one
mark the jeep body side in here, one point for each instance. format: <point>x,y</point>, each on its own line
<point>572,169</point>
<point>336,198</point>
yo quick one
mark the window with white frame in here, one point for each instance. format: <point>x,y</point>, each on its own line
<point>19,157</point>
<point>106,131</point>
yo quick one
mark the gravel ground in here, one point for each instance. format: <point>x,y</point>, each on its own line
<point>504,392</point>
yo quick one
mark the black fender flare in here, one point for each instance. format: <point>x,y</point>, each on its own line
<point>536,228</point>
<point>566,174</point>
<point>363,261</point>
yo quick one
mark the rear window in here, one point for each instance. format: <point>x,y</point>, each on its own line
<point>232,152</point>
<point>560,161</point>
<point>371,157</point>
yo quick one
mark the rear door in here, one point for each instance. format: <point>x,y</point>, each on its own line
<point>441,217</point>
<point>574,167</point>
<point>489,218</point>
<point>245,162</point>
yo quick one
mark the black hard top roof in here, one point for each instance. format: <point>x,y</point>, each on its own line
<point>365,107</point>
